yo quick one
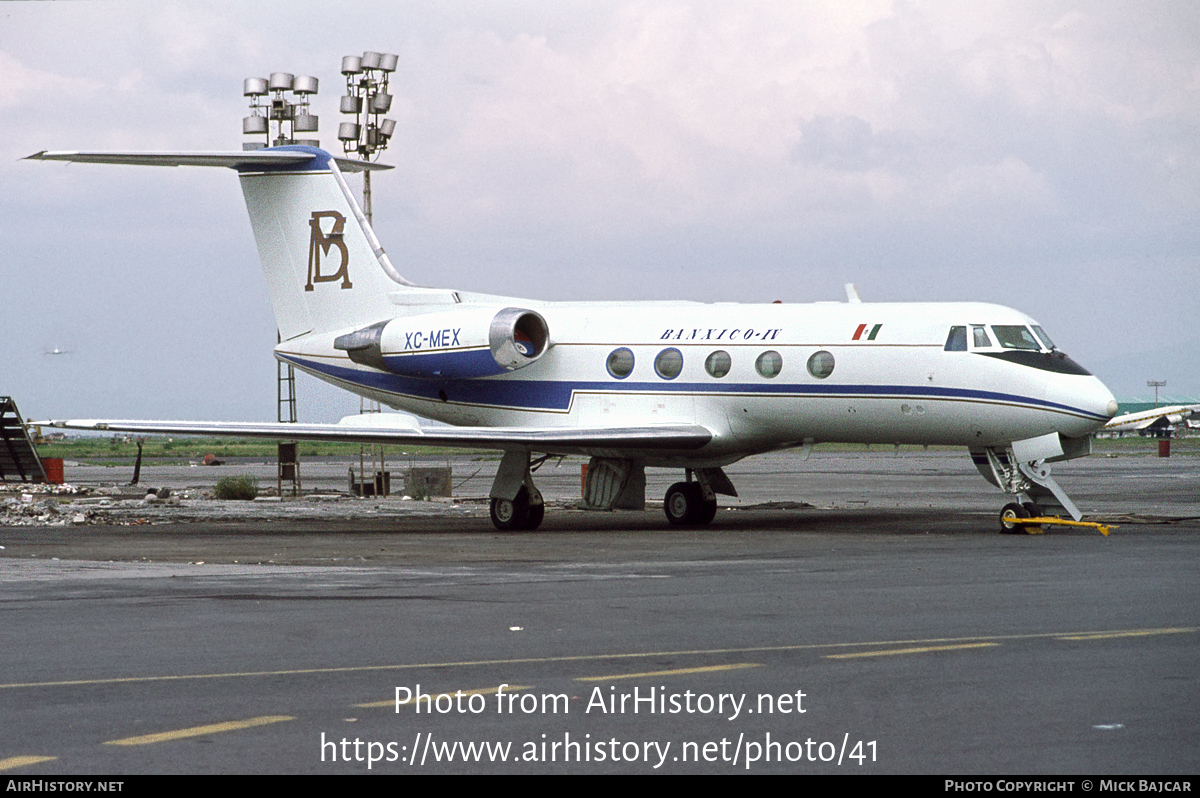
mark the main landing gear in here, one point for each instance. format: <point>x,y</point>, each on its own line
<point>694,502</point>
<point>686,505</point>
<point>509,515</point>
<point>611,483</point>
<point>517,504</point>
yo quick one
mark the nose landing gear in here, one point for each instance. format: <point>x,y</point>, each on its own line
<point>1042,502</point>
<point>1016,519</point>
<point>1012,516</point>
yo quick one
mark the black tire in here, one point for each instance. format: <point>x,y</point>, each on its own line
<point>536,513</point>
<point>685,505</point>
<point>681,504</point>
<point>708,511</point>
<point>1010,516</point>
<point>508,516</point>
<point>1035,511</point>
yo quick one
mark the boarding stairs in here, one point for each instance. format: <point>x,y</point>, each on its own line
<point>19,461</point>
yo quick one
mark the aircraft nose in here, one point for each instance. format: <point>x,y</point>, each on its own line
<point>1089,399</point>
<point>1099,401</point>
<point>1102,400</point>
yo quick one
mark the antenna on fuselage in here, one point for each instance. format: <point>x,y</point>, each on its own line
<point>852,294</point>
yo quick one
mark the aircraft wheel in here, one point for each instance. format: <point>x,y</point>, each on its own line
<point>1010,516</point>
<point>1035,511</point>
<point>536,513</point>
<point>708,511</point>
<point>510,515</point>
<point>682,503</point>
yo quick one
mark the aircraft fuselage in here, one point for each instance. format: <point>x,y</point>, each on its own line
<point>761,377</point>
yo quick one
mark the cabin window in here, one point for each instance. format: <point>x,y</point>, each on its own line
<point>820,365</point>
<point>1015,337</point>
<point>980,338</point>
<point>769,363</point>
<point>956,341</point>
<point>669,363</point>
<point>620,363</point>
<point>718,364</point>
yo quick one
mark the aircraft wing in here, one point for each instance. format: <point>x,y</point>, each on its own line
<point>549,440</point>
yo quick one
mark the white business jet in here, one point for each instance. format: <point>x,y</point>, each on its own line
<point>682,385</point>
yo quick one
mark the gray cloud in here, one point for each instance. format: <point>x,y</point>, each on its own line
<point>1040,155</point>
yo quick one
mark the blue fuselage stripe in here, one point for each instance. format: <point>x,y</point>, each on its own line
<point>556,395</point>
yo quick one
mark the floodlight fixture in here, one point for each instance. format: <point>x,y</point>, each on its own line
<point>254,87</point>
<point>1156,384</point>
<point>366,100</point>
<point>304,84</point>
<point>284,98</point>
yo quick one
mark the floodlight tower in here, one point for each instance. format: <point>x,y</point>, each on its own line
<point>364,136</point>
<point>269,103</point>
<point>1156,384</point>
<point>366,100</point>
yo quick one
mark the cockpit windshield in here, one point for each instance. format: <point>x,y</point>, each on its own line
<point>1045,339</point>
<point>1013,336</point>
<point>1013,343</point>
<point>1007,336</point>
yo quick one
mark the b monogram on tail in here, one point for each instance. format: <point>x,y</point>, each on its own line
<point>319,244</point>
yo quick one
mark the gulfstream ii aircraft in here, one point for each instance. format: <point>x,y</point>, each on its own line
<point>682,385</point>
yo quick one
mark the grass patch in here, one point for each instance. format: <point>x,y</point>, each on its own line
<point>243,487</point>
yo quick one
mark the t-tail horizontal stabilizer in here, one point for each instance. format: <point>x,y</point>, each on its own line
<point>281,156</point>
<point>324,267</point>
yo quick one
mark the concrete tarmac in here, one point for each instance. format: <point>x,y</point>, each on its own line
<point>886,629</point>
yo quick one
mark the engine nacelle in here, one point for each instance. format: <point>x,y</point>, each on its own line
<point>455,344</point>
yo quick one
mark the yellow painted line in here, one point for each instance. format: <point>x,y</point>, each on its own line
<point>577,658</point>
<point>921,650</point>
<point>200,731</point>
<point>676,672</point>
<point>1134,633</point>
<point>22,761</point>
<point>511,688</point>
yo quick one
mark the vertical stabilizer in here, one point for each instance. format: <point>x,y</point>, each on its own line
<point>324,267</point>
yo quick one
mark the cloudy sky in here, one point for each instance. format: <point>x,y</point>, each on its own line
<point>1043,155</point>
